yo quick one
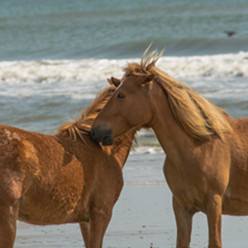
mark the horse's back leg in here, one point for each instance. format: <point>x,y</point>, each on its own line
<point>184,224</point>
<point>8,216</point>
<point>9,206</point>
<point>10,192</point>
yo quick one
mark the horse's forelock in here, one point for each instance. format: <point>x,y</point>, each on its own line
<point>146,64</point>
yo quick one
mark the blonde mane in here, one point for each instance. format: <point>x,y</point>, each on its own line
<point>197,116</point>
<point>82,126</point>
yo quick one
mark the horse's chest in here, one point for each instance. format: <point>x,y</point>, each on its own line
<point>187,184</point>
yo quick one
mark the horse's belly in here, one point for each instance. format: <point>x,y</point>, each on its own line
<point>44,212</point>
<point>235,202</point>
<point>39,215</point>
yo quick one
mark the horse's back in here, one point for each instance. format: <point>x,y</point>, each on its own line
<point>20,148</point>
<point>14,149</point>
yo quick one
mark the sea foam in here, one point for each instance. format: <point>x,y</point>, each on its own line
<point>94,70</point>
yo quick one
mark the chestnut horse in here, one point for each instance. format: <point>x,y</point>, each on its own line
<point>64,178</point>
<point>206,150</point>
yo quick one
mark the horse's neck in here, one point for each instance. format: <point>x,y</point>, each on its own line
<point>121,150</point>
<point>171,137</point>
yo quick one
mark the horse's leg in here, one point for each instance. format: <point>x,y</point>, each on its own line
<point>8,216</point>
<point>214,211</point>
<point>93,232</point>
<point>85,230</point>
<point>98,229</point>
<point>184,224</point>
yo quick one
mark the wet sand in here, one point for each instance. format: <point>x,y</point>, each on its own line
<point>142,218</point>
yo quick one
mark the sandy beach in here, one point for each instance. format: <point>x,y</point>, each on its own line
<point>142,218</point>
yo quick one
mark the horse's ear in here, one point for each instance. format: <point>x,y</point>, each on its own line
<point>114,81</point>
<point>146,79</point>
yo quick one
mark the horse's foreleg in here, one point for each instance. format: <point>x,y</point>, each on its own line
<point>184,224</point>
<point>214,211</point>
<point>94,231</point>
<point>85,230</point>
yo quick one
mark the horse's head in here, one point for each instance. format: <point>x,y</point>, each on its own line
<point>145,94</point>
<point>128,108</point>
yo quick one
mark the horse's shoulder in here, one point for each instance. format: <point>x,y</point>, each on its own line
<point>238,139</point>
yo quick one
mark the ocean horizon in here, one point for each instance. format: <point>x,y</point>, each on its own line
<point>80,29</point>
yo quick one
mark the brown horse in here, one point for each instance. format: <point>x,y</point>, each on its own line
<point>206,150</point>
<point>65,178</point>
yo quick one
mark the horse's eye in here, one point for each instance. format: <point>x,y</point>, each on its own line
<point>120,96</point>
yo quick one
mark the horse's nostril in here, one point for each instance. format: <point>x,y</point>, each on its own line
<point>92,133</point>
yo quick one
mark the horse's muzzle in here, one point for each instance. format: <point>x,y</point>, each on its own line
<point>102,135</point>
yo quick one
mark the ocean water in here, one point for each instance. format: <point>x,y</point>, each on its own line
<point>61,29</point>
<point>55,57</point>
